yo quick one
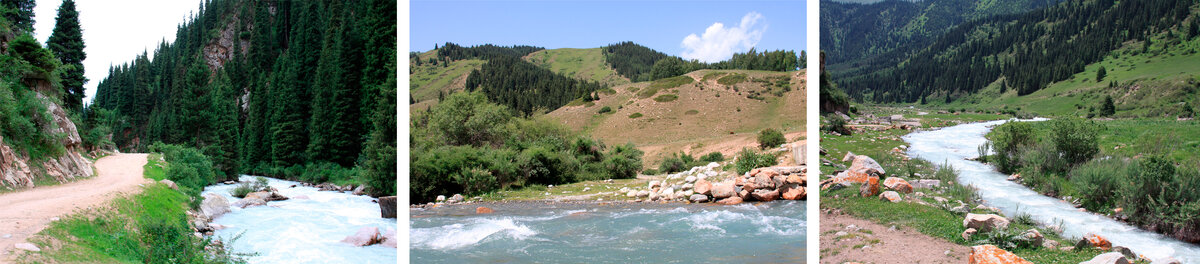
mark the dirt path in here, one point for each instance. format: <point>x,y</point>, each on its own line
<point>848,239</point>
<point>24,213</point>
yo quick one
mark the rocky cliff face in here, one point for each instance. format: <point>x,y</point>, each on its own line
<point>16,170</point>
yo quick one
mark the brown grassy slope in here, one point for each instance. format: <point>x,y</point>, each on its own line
<point>724,120</point>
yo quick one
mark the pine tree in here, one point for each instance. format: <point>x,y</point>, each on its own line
<point>1108,108</point>
<point>1100,74</point>
<point>20,13</point>
<point>335,130</point>
<point>66,42</point>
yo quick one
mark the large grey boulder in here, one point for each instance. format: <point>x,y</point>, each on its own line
<point>985,222</point>
<point>387,206</point>
<point>214,206</point>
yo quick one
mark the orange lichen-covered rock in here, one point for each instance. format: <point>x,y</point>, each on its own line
<point>851,177</point>
<point>870,188</point>
<point>989,254</point>
<point>898,184</point>
<point>484,210</point>
<point>730,201</point>
<point>796,179</point>
<point>793,192</point>
<point>1093,240</point>
<point>703,187</point>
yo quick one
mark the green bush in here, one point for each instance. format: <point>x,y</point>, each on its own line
<point>666,98</point>
<point>836,124</point>
<point>1148,180</point>
<point>1007,140</point>
<point>1096,182</point>
<point>650,172</point>
<point>770,138</point>
<point>623,161</point>
<point>675,163</point>
<point>1076,139</point>
<point>605,109</point>
<point>188,168</point>
<point>635,115</point>
<point>748,159</point>
<point>712,157</point>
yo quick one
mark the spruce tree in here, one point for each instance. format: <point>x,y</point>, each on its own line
<point>1100,74</point>
<point>66,42</point>
<point>20,13</point>
<point>336,130</point>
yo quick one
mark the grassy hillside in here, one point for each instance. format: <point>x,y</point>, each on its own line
<point>583,64</point>
<point>1156,83</point>
<point>700,112</point>
<point>426,80</point>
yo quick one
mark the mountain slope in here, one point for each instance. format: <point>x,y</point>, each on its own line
<point>703,111</point>
<point>853,33</point>
<point>583,64</point>
<point>1023,52</point>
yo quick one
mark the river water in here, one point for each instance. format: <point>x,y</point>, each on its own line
<point>303,230</point>
<point>953,145</point>
<point>772,232</point>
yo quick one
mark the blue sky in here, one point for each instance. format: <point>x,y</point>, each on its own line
<point>660,25</point>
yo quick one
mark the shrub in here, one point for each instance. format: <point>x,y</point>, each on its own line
<point>1075,139</point>
<point>605,109</point>
<point>748,159</point>
<point>1148,179</point>
<point>623,161</point>
<point>732,79</point>
<point>1007,140</point>
<point>1096,182</point>
<point>188,168</point>
<point>712,157</point>
<point>650,172</point>
<point>635,115</point>
<point>666,98</point>
<point>675,163</point>
<point>242,190</point>
<point>770,138</point>
<point>836,124</point>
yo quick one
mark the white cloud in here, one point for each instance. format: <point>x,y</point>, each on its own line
<point>719,43</point>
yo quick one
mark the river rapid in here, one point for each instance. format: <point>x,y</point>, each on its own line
<point>772,232</point>
<point>953,145</point>
<point>303,230</point>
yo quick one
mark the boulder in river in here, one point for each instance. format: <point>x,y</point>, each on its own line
<point>1108,258</point>
<point>989,254</point>
<point>483,210</point>
<point>731,200</point>
<point>214,206</point>
<point>985,222</point>
<point>249,202</point>
<point>267,196</point>
<point>387,206</point>
<point>389,238</point>
<point>441,198</point>
<point>698,198</point>
<point>365,236</point>
<point>898,184</point>
<point>360,190</point>
<point>457,198</point>
<point>795,179</point>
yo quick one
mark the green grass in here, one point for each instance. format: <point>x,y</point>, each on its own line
<point>155,168</point>
<point>711,75</point>
<point>666,98</point>
<point>609,191</point>
<point>664,83</point>
<point>732,79</point>
<point>584,64</point>
<point>635,115</point>
<point>426,80</point>
<point>691,112</point>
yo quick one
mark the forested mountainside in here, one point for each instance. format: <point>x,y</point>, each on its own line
<point>272,88</point>
<point>853,33</point>
<point>39,142</point>
<point>1024,52</point>
<point>506,78</point>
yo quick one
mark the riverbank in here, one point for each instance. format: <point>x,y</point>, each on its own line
<point>937,210</point>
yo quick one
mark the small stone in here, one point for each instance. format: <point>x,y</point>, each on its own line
<point>698,198</point>
<point>966,235</point>
<point>27,247</point>
<point>483,210</point>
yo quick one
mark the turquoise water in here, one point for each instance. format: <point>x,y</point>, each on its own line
<point>623,233</point>
<point>303,230</point>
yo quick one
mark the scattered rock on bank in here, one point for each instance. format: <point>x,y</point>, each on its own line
<point>27,247</point>
<point>1093,240</point>
<point>1108,258</point>
<point>985,222</point>
<point>989,254</point>
<point>170,184</point>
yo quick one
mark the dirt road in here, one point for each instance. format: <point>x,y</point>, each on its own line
<point>848,239</point>
<point>24,213</point>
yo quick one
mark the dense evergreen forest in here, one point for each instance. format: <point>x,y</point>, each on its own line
<point>640,63</point>
<point>29,75</point>
<point>853,32</point>
<point>275,88</point>
<point>1025,52</point>
<point>525,87</point>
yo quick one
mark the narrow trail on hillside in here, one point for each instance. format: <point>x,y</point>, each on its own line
<point>845,238</point>
<point>27,212</point>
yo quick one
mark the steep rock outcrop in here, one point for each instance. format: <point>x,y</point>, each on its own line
<point>15,169</point>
